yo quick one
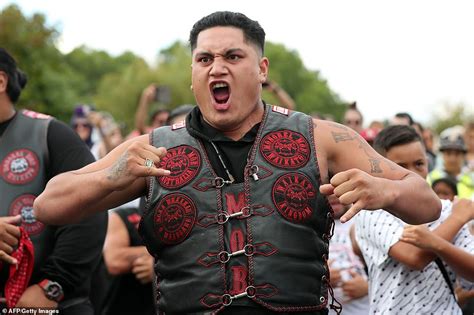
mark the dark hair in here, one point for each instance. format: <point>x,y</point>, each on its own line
<point>392,136</point>
<point>16,78</point>
<point>353,107</point>
<point>448,181</point>
<point>407,116</point>
<point>253,32</point>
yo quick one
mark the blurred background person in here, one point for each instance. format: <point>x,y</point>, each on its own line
<point>151,94</point>
<point>179,114</point>
<point>469,140</point>
<point>445,188</point>
<point>347,269</point>
<point>402,119</point>
<point>353,118</point>
<point>453,156</point>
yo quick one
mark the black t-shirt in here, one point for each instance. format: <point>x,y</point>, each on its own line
<point>77,247</point>
<point>234,153</point>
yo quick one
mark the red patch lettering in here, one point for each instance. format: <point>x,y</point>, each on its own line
<point>184,163</point>
<point>239,279</point>
<point>174,218</point>
<point>24,205</point>
<point>292,194</point>
<point>236,240</point>
<point>19,167</point>
<point>285,149</point>
<point>233,205</point>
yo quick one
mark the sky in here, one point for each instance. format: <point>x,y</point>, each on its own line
<point>389,56</point>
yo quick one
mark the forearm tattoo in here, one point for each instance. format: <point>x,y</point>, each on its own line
<point>119,168</point>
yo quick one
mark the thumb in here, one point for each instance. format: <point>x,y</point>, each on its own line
<point>12,219</point>
<point>326,189</point>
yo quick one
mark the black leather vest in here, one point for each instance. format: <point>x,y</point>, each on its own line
<point>23,160</point>
<point>264,240</point>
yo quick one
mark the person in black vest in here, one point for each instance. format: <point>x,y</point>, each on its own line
<point>237,216</point>
<point>34,148</point>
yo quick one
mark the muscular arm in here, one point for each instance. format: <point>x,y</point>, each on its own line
<point>113,180</point>
<point>367,180</point>
<point>118,254</point>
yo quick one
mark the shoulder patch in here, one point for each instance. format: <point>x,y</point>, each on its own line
<point>280,110</point>
<point>178,125</point>
<point>35,115</point>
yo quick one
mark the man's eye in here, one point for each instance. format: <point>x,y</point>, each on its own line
<point>233,57</point>
<point>204,59</point>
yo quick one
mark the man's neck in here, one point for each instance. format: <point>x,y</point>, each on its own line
<point>7,111</point>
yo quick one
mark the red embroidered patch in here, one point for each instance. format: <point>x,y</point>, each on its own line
<point>184,163</point>
<point>285,149</point>
<point>19,167</point>
<point>24,205</point>
<point>292,194</point>
<point>174,218</point>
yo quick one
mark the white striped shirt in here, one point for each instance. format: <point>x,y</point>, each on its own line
<point>395,288</point>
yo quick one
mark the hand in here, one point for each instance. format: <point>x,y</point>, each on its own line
<point>9,236</point>
<point>463,209</point>
<point>356,287</point>
<point>131,165</point>
<point>34,297</point>
<point>95,118</point>
<point>334,274</point>
<point>358,188</point>
<point>142,267</point>
<point>149,93</point>
<point>420,236</point>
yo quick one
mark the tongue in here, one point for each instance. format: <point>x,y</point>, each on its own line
<point>221,95</point>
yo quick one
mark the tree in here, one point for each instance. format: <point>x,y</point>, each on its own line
<point>33,44</point>
<point>310,92</point>
<point>452,115</point>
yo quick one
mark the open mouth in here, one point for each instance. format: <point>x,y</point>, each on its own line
<point>221,92</point>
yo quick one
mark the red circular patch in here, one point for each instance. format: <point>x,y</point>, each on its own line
<point>292,194</point>
<point>174,218</point>
<point>285,149</point>
<point>183,162</point>
<point>19,167</point>
<point>24,205</point>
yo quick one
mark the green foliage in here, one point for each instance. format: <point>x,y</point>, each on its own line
<point>452,115</point>
<point>57,81</point>
<point>310,92</point>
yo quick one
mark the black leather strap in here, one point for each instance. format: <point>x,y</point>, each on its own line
<point>445,275</point>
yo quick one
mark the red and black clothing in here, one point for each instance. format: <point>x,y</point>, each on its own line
<point>33,149</point>
<point>256,245</point>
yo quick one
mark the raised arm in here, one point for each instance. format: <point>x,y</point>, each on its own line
<point>141,115</point>
<point>369,181</point>
<point>111,181</point>
<point>438,242</point>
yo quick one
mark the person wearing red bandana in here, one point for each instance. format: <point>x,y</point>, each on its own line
<point>41,265</point>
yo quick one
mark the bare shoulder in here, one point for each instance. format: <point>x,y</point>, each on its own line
<point>345,149</point>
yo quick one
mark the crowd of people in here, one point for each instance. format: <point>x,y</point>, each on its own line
<point>232,205</point>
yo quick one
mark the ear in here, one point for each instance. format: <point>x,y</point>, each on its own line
<point>3,82</point>
<point>263,69</point>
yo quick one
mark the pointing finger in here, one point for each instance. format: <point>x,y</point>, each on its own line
<point>353,210</point>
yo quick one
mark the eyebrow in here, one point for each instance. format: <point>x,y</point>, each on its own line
<point>226,53</point>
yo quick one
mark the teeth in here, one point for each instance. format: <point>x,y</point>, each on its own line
<point>219,85</point>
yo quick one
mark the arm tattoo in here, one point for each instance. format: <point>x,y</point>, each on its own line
<point>336,125</point>
<point>375,166</point>
<point>119,168</point>
<point>341,136</point>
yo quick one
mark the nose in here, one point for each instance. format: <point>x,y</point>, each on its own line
<point>219,67</point>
